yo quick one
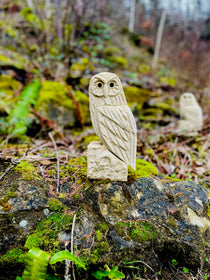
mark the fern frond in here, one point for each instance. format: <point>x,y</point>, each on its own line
<point>18,119</point>
<point>36,265</point>
<point>66,255</point>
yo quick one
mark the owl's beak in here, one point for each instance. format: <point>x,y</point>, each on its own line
<point>106,94</point>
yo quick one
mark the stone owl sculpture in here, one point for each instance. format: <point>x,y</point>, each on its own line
<point>191,113</point>
<point>112,119</point>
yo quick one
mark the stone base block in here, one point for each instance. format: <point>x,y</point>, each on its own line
<point>102,164</point>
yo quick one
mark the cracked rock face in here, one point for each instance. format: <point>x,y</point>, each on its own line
<point>168,218</point>
<point>21,208</point>
<point>146,220</point>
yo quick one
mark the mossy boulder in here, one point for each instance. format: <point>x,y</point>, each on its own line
<point>148,218</point>
<point>55,104</point>
<point>137,96</point>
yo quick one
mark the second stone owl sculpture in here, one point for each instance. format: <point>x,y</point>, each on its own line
<point>114,125</point>
<point>191,113</point>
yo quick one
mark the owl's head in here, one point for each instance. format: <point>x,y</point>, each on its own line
<point>187,98</point>
<point>106,89</point>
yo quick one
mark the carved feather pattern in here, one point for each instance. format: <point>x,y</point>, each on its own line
<point>117,131</point>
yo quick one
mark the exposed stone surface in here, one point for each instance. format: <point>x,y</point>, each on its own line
<point>102,164</point>
<point>148,219</point>
<point>149,216</point>
<point>22,202</point>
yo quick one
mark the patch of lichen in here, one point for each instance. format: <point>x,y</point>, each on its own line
<point>27,170</point>
<point>15,255</point>
<point>3,201</point>
<point>45,236</point>
<point>143,169</point>
<point>139,231</point>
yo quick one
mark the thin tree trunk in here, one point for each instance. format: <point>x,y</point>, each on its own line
<point>47,8</point>
<point>58,19</point>
<point>132,15</point>
<point>159,38</point>
<point>30,4</point>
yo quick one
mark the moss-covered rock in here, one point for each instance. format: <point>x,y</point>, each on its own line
<point>136,95</point>
<point>115,221</point>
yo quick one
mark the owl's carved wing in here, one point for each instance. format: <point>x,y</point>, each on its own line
<point>192,113</point>
<point>117,131</point>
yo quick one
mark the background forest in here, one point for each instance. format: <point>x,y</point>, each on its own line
<point>49,49</point>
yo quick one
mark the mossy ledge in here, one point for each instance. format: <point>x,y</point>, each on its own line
<point>78,166</point>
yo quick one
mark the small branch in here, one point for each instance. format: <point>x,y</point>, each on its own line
<point>58,164</point>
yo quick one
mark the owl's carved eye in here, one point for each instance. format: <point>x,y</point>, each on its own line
<point>100,85</point>
<point>111,85</point>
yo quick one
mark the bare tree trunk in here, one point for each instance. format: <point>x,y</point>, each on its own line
<point>159,38</point>
<point>30,4</point>
<point>47,8</point>
<point>58,19</point>
<point>132,15</point>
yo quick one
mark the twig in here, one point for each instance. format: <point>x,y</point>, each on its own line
<point>67,264</point>
<point>14,162</point>
<point>72,243</point>
<point>58,164</point>
<point>5,172</point>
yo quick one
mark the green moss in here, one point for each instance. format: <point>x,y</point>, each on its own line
<point>138,231</point>
<point>55,205</point>
<point>8,85</point>
<point>98,250</point>
<point>15,255</point>
<point>143,169</point>
<point>79,67</point>
<point>209,210</point>
<point>144,68</point>
<point>53,92</point>
<point>171,222</point>
<point>119,60</point>
<point>137,95</point>
<point>99,235</point>
<point>85,141</point>
<point>111,51</point>
<point>168,81</point>
<point>103,227</point>
<point>27,170</point>
<point>45,236</point>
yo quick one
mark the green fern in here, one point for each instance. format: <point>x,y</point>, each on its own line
<point>66,255</point>
<point>37,262</point>
<point>113,273</point>
<point>36,265</point>
<point>18,119</point>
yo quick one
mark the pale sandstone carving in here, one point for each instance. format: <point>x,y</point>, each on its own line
<point>191,113</point>
<point>102,164</point>
<point>113,122</point>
